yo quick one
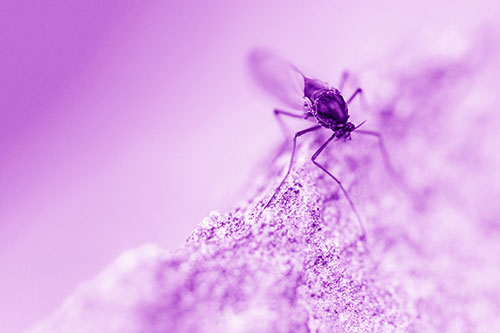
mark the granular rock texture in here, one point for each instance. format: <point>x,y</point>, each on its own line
<point>430,261</point>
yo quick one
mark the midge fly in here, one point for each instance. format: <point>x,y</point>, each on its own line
<point>318,102</point>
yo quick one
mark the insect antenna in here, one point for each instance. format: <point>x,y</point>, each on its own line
<point>360,124</point>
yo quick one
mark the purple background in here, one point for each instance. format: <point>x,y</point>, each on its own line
<point>126,122</point>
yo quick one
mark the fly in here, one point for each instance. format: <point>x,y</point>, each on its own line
<point>317,101</point>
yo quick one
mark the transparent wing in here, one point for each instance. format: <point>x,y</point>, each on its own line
<point>278,77</point>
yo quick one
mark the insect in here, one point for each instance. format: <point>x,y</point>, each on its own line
<point>318,102</point>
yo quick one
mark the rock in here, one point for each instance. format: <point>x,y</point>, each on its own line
<point>428,263</point>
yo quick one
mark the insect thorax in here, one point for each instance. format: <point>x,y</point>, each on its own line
<point>328,106</point>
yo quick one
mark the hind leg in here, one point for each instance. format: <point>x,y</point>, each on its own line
<point>383,150</point>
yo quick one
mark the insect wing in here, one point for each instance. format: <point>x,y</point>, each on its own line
<point>278,77</point>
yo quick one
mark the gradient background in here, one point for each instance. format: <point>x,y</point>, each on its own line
<point>126,122</point>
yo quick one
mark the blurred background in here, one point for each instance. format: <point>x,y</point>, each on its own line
<point>127,122</point>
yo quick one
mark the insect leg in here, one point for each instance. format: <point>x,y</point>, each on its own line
<point>383,150</point>
<point>313,158</point>
<point>278,113</point>
<point>358,91</point>
<point>400,182</point>
<point>343,79</point>
<point>310,129</point>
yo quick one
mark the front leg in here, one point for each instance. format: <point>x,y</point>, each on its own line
<point>358,217</point>
<point>298,134</point>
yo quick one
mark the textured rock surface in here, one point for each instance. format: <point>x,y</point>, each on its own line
<point>430,262</point>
